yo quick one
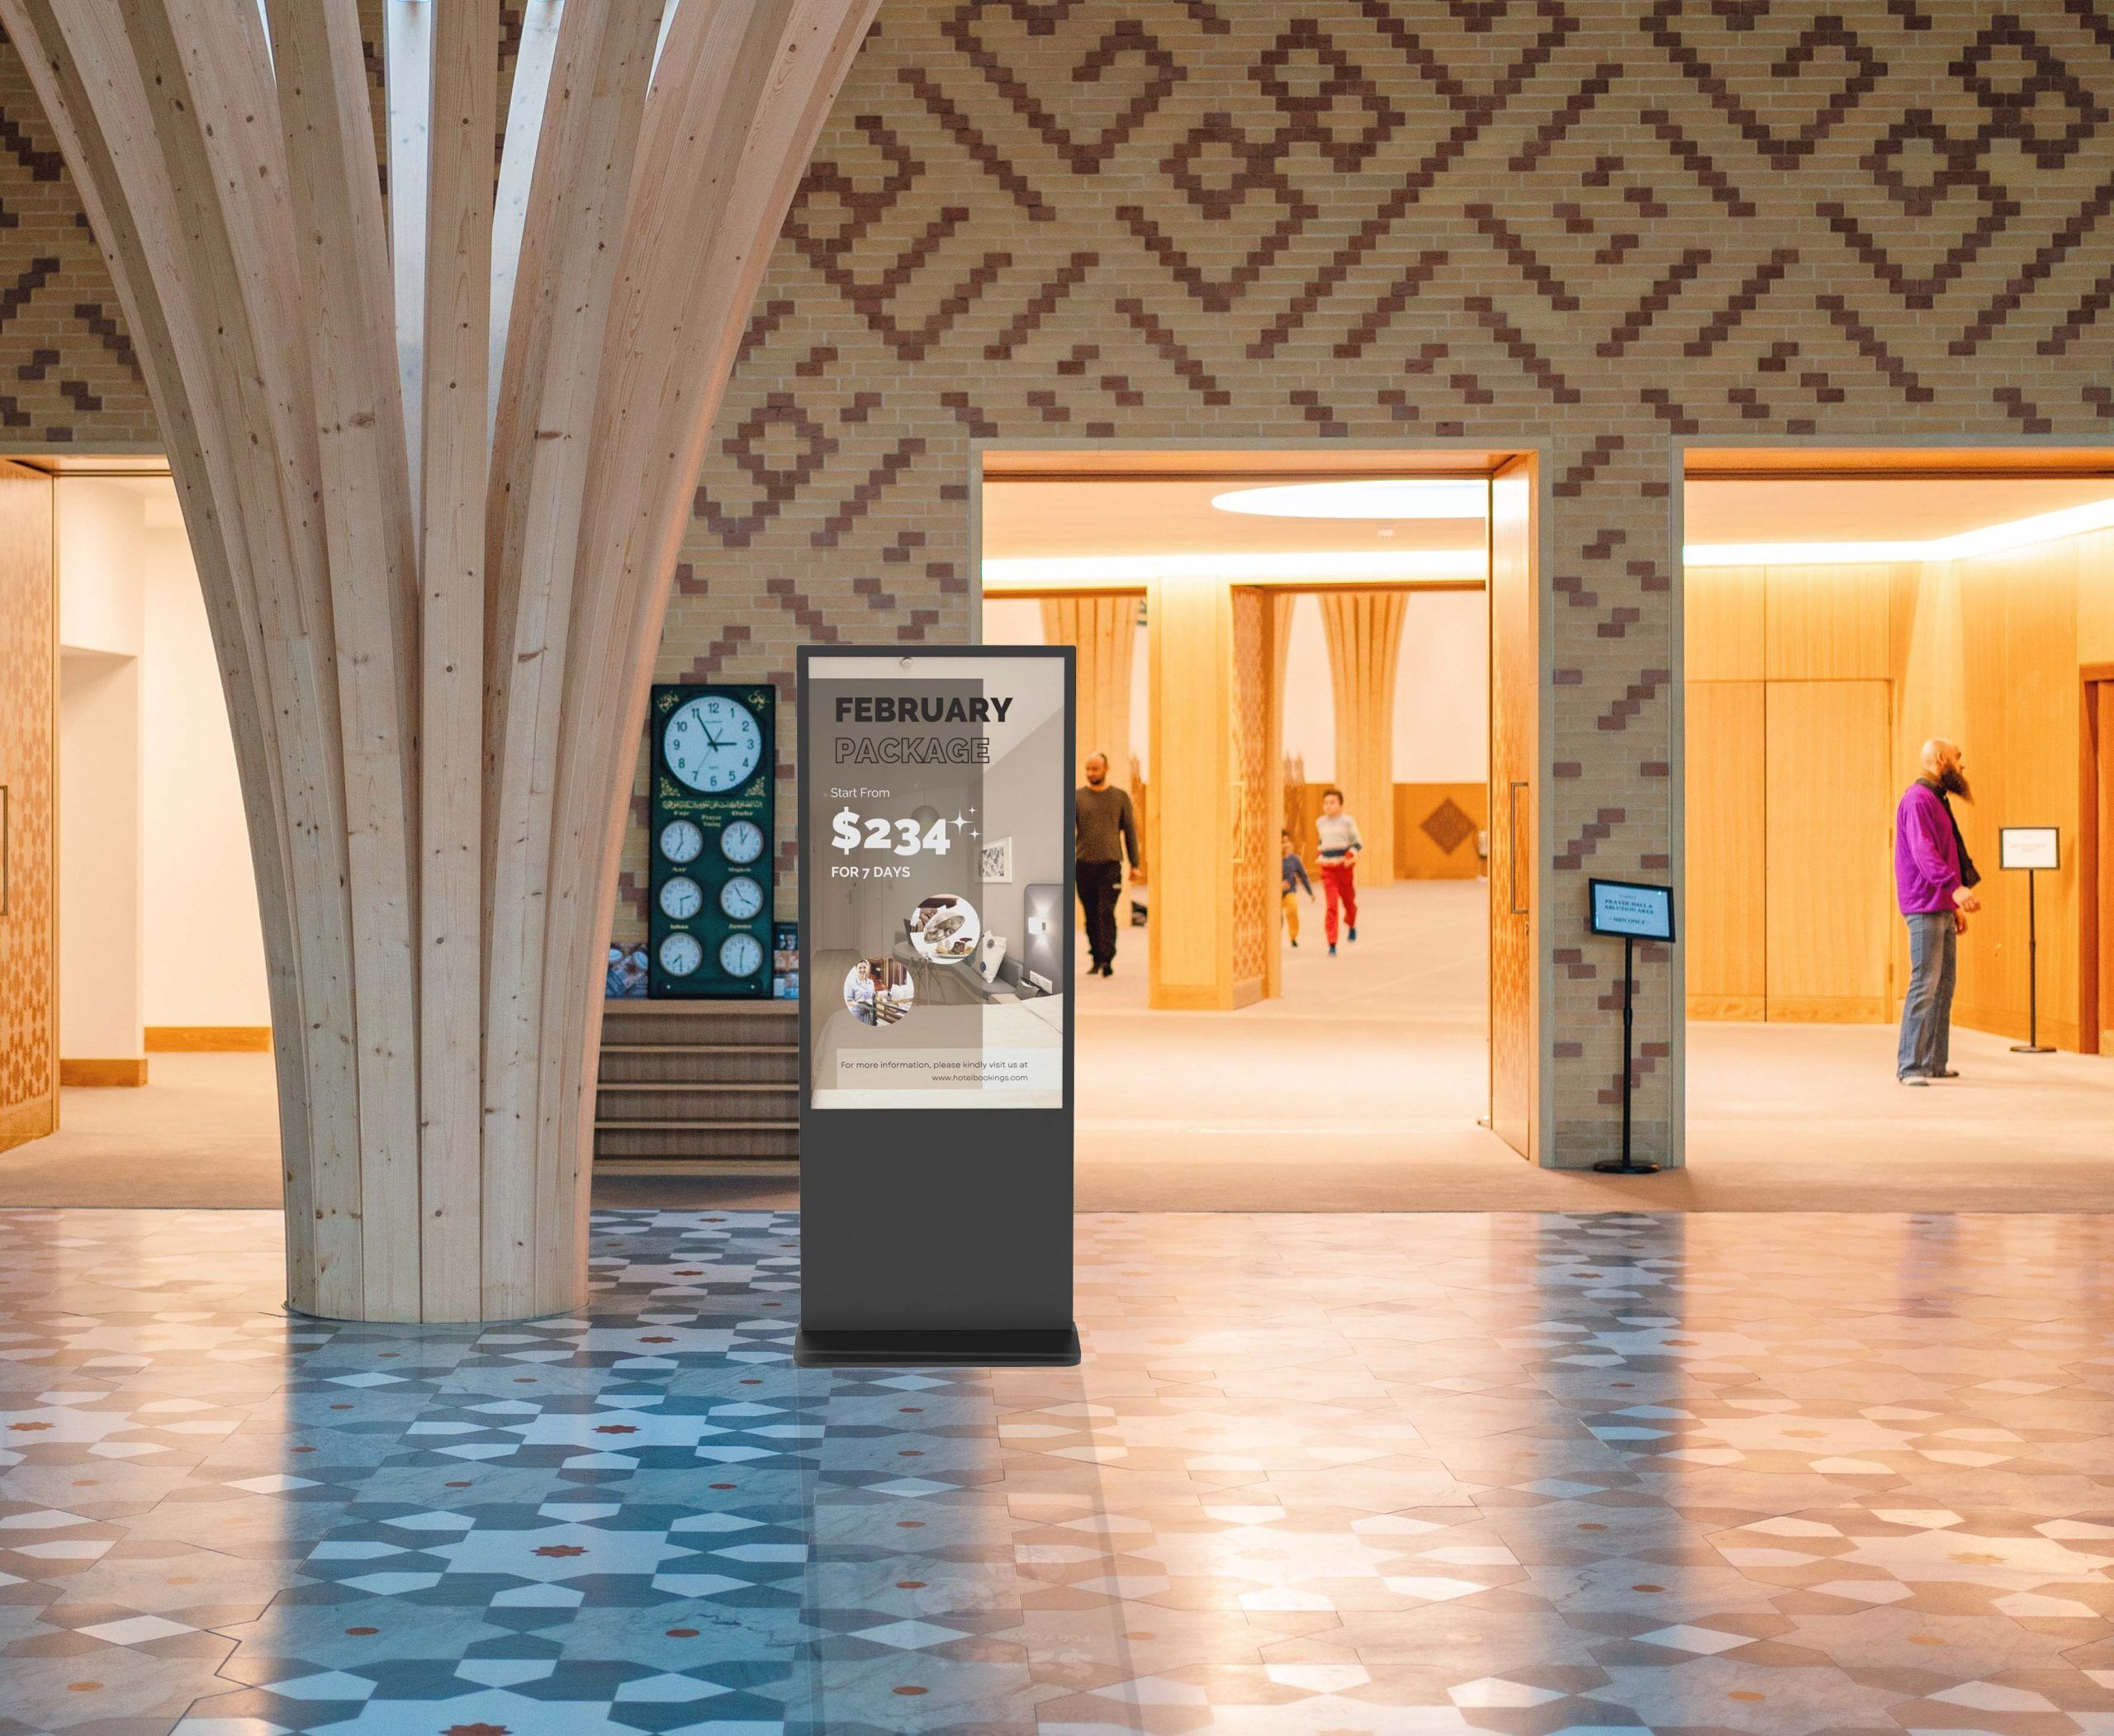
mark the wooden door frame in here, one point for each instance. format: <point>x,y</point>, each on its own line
<point>1455,455</point>
<point>2095,761</point>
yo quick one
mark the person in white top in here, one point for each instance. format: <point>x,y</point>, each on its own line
<point>1340,844</point>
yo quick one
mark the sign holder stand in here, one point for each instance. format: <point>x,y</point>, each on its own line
<point>1635,912</point>
<point>1628,1164</point>
<point>2029,849</point>
<point>2032,1045</point>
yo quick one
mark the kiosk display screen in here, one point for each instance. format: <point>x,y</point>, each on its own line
<point>915,771</point>
<point>1638,912</point>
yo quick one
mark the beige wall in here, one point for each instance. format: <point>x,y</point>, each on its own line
<point>158,911</point>
<point>102,631</point>
<point>204,957</point>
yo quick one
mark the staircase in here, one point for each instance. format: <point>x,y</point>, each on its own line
<point>699,1081</point>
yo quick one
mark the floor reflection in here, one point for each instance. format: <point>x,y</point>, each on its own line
<point>1521,1473</point>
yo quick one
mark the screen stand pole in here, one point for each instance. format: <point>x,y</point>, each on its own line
<point>1628,1165</point>
<point>2032,1045</point>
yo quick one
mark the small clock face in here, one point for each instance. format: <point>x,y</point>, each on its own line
<point>740,955</point>
<point>682,898</point>
<point>680,954</point>
<point>742,842</point>
<point>681,841</point>
<point>712,744</point>
<point>741,897</point>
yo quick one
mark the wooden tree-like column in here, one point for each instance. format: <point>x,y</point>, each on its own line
<point>435,666</point>
<point>1364,631</point>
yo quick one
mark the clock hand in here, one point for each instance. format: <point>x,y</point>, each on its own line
<point>713,741</point>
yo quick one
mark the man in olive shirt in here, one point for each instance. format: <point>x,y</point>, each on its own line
<point>1104,827</point>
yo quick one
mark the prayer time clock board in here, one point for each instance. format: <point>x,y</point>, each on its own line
<point>709,918</point>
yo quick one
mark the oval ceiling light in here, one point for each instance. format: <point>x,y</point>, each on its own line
<point>1377,497</point>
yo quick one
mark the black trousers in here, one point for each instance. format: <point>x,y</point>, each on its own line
<point>1099,883</point>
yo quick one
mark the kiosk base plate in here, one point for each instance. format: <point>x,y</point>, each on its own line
<point>1057,1347</point>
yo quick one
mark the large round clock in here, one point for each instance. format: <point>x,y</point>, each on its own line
<point>741,955</point>
<point>713,743</point>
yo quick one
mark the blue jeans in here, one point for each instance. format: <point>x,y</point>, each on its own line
<point>1926,1015</point>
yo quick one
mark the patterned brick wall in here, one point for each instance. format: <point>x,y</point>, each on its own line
<point>1597,224</point>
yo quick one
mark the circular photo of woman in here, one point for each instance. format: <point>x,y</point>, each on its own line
<point>878,990</point>
<point>945,928</point>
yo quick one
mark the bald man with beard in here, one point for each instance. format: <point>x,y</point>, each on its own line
<point>1934,878</point>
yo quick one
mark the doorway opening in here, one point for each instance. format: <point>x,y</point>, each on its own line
<point>1256,629</point>
<point>167,1095</point>
<point>1841,610</point>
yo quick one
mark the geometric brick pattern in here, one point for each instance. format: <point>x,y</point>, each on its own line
<point>1602,224</point>
<point>1517,1474</point>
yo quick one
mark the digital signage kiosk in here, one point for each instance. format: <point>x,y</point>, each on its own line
<point>935,1006</point>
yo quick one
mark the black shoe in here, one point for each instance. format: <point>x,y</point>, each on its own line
<point>1947,1073</point>
<point>1350,933</point>
<point>1294,943</point>
<point>1108,970</point>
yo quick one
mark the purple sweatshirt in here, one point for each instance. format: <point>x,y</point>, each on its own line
<point>1926,861</point>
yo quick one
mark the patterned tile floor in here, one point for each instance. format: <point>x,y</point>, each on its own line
<point>1318,1475</point>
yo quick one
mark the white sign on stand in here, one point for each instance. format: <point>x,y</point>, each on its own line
<point>2026,846</point>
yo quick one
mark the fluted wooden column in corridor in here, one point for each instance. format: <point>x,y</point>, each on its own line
<point>1104,631</point>
<point>1217,794</point>
<point>435,593</point>
<point>1364,630</point>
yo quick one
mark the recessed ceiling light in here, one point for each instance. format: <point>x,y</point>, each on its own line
<point>1378,497</point>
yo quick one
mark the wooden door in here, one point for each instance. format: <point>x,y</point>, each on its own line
<point>2096,861</point>
<point>29,792</point>
<point>1514,789</point>
<point>1829,879</point>
<point>1726,936</point>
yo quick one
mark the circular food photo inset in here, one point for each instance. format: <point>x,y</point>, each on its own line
<point>878,990</point>
<point>945,928</point>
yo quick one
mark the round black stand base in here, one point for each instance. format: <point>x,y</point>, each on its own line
<point>1625,1166</point>
<point>2031,1049</point>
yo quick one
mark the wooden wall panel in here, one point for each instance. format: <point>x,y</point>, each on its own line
<point>1435,829</point>
<point>1829,624</point>
<point>1829,853</point>
<point>1726,933</point>
<point>1364,632</point>
<point>29,724</point>
<point>1258,798</point>
<point>1721,623</point>
<point>2020,725</point>
<point>1104,630</point>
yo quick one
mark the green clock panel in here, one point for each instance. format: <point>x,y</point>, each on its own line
<point>709,915</point>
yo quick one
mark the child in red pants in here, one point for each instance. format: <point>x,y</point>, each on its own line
<point>1340,844</point>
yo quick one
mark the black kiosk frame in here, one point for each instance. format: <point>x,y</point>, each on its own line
<point>932,1236</point>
